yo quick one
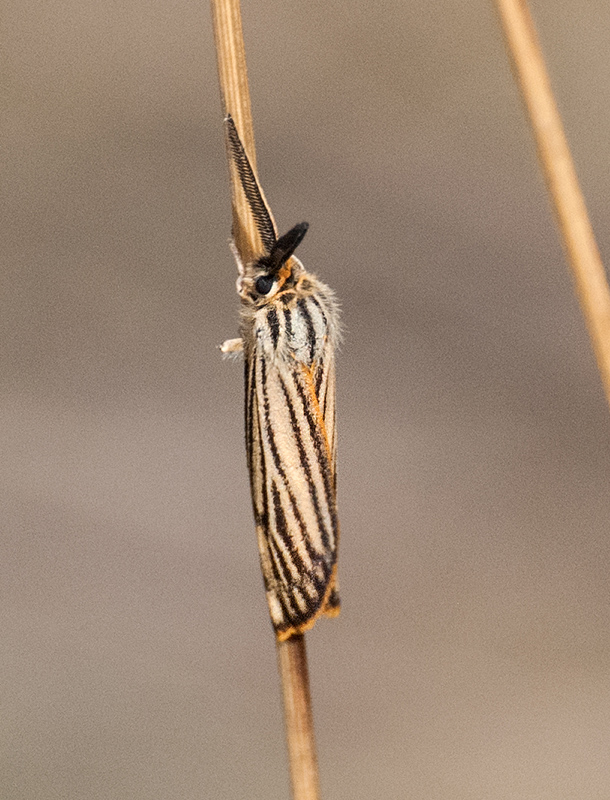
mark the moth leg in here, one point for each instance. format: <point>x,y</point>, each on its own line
<point>232,346</point>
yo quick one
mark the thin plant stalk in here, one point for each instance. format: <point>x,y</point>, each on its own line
<point>235,98</point>
<point>567,199</point>
<point>292,662</point>
<point>292,655</point>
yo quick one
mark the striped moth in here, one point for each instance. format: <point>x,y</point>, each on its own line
<point>289,332</point>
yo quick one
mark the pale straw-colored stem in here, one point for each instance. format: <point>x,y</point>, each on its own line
<point>554,152</point>
<point>292,661</point>
<point>235,95</point>
<point>292,657</point>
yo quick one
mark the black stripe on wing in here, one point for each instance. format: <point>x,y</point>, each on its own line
<point>308,468</point>
<point>320,443</point>
<point>297,509</point>
<point>257,465</point>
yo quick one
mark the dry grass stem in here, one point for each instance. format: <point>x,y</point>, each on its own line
<point>231,58</point>
<point>587,268</point>
<point>292,661</point>
<point>292,658</point>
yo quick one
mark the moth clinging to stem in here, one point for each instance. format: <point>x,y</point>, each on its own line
<point>289,332</point>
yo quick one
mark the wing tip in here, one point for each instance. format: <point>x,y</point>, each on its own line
<point>329,607</point>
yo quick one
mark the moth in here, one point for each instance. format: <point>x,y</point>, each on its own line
<point>289,326</point>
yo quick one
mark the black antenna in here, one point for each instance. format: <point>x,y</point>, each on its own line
<point>285,247</point>
<point>260,212</point>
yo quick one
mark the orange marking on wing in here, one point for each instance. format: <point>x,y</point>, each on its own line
<point>308,373</point>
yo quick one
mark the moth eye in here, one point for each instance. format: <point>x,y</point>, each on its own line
<point>263,284</point>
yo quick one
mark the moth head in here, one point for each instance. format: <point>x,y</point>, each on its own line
<point>277,269</point>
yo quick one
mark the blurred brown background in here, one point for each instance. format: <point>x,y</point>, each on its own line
<point>472,658</point>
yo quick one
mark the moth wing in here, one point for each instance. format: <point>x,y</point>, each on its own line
<point>324,380</point>
<point>292,475</point>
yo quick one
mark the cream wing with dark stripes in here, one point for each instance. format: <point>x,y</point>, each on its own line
<point>291,446</point>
